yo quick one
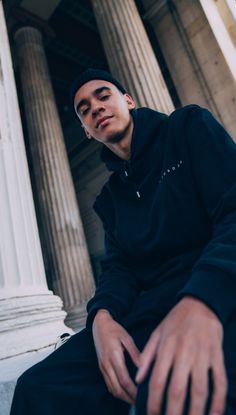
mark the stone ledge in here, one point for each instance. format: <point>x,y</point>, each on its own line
<point>11,369</point>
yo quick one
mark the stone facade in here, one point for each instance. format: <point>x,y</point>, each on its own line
<point>203,72</point>
<point>195,57</point>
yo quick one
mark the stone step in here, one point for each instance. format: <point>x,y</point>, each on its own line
<point>11,369</point>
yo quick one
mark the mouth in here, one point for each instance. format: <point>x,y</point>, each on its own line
<point>102,121</point>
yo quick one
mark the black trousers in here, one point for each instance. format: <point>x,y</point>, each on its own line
<point>69,381</point>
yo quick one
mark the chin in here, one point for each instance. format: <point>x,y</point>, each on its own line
<point>114,138</point>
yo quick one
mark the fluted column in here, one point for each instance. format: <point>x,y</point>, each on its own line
<point>194,56</point>
<point>222,36</point>
<point>30,315</point>
<point>129,53</point>
<point>66,245</point>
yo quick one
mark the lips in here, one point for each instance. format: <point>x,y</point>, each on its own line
<point>101,120</point>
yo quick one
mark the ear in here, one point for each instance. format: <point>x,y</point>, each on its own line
<point>130,101</point>
<point>86,132</point>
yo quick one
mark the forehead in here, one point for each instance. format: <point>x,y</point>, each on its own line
<point>88,89</point>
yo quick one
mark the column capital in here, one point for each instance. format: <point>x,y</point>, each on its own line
<point>28,33</point>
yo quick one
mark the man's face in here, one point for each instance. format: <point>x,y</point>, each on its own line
<point>104,111</point>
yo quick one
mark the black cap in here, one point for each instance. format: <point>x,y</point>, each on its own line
<point>90,75</point>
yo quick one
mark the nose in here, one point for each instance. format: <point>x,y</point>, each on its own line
<point>97,107</point>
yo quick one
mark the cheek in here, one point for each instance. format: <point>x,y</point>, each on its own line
<point>123,113</point>
<point>125,117</point>
<point>87,125</point>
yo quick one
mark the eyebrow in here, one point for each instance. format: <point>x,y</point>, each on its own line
<point>96,92</point>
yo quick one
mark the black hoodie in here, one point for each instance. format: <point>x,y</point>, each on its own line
<point>169,215</point>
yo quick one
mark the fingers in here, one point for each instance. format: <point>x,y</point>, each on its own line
<point>117,378</point>
<point>115,387</point>
<point>177,388</point>
<point>185,346</point>
<point>199,390</point>
<point>123,377</point>
<point>219,385</point>
<point>132,349</point>
<point>159,378</point>
<point>147,357</point>
<point>110,340</point>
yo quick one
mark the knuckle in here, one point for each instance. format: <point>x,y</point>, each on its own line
<point>199,390</point>
<point>176,391</point>
<point>129,339</point>
<point>197,408</point>
<point>103,365</point>
<point>219,403</point>
<point>218,408</point>
<point>116,393</point>
<point>152,410</point>
<point>222,381</point>
<point>124,382</point>
<point>158,383</point>
<point>154,335</point>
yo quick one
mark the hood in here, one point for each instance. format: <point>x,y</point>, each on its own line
<point>146,125</point>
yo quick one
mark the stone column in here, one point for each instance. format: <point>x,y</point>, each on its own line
<point>194,57</point>
<point>30,315</point>
<point>227,11</point>
<point>66,245</point>
<point>129,53</point>
<point>222,36</point>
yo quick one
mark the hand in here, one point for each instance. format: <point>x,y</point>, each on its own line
<point>111,340</point>
<point>188,341</point>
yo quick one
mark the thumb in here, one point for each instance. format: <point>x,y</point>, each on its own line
<point>147,356</point>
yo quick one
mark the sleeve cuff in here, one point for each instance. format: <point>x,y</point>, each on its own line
<point>92,311</point>
<point>215,288</point>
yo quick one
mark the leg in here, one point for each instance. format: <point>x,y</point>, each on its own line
<point>67,381</point>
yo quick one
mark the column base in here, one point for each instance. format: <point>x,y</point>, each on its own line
<point>30,323</point>
<point>76,317</point>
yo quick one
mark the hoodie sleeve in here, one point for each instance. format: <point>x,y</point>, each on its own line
<point>212,155</point>
<point>117,287</point>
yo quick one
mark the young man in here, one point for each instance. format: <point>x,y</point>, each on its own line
<point>160,332</point>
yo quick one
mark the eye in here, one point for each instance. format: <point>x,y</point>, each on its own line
<point>104,97</point>
<point>84,111</point>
